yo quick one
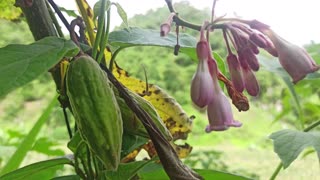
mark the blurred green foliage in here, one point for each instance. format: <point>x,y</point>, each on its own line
<point>8,11</point>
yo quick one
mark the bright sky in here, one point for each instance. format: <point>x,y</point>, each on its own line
<point>296,21</point>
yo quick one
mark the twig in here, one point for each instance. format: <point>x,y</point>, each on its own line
<point>59,13</point>
<point>67,122</point>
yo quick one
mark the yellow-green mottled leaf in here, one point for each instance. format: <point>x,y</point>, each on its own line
<point>174,117</point>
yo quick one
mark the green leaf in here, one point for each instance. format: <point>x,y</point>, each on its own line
<point>75,142</point>
<point>35,168</point>
<point>69,177</point>
<point>18,156</point>
<point>221,65</point>
<point>122,13</point>
<point>97,6</point>
<point>127,170</point>
<point>69,12</point>
<point>295,98</point>
<point>20,64</point>
<point>288,144</point>
<point>130,143</point>
<point>153,170</point>
<point>45,146</point>
<point>212,174</point>
<point>274,66</point>
<point>145,37</point>
<point>315,75</point>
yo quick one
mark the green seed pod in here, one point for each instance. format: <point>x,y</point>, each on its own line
<point>96,110</point>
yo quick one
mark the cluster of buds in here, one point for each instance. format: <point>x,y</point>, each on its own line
<point>246,38</point>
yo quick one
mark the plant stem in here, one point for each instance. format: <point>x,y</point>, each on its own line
<point>276,172</point>
<point>55,21</point>
<point>67,122</point>
<point>114,57</point>
<point>104,42</point>
<point>312,126</point>
<point>59,13</point>
<point>101,24</point>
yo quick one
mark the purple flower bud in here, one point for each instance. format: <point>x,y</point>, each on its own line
<point>251,59</point>
<point>294,59</point>
<point>259,39</point>
<point>235,72</point>
<point>255,24</point>
<point>254,48</point>
<point>202,85</point>
<point>166,26</point>
<point>220,114</point>
<point>164,29</point>
<point>250,82</point>
<point>248,59</point>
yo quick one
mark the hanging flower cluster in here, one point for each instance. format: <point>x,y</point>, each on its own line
<point>243,40</point>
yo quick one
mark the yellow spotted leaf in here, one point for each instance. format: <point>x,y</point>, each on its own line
<point>87,16</point>
<point>172,114</point>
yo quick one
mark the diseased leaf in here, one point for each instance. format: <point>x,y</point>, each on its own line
<point>33,169</point>
<point>87,16</point>
<point>122,13</point>
<point>169,110</point>
<point>288,144</point>
<point>20,64</point>
<point>174,117</point>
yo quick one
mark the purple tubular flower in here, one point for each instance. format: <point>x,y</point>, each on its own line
<point>220,114</point>
<point>202,85</point>
<point>294,59</point>
<point>235,72</point>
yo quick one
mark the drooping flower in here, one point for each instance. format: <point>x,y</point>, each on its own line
<point>220,114</point>
<point>294,59</point>
<point>219,109</point>
<point>166,26</point>
<point>202,84</point>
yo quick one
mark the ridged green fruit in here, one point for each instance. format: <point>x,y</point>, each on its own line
<point>96,110</point>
